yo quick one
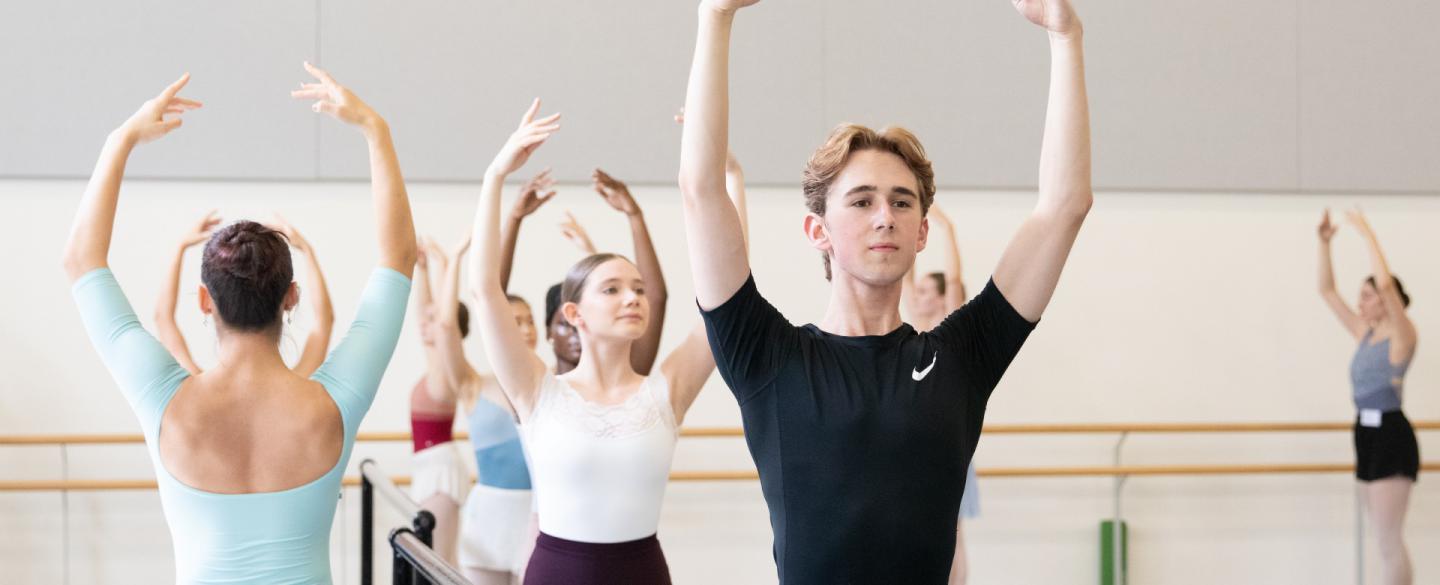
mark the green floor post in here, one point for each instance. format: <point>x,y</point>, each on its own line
<point>1108,573</point>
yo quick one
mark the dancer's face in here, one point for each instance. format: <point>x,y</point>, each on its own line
<point>928,297</point>
<point>564,339</point>
<point>612,304</point>
<point>525,320</point>
<point>873,225</point>
<point>1371,308</point>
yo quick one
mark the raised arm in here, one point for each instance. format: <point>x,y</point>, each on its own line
<point>437,382</point>
<point>423,289</point>
<point>687,368</point>
<point>955,294</point>
<point>88,247</point>
<point>734,186</point>
<point>1031,265</point>
<point>690,364</point>
<point>617,194</point>
<point>716,239</point>
<point>395,229</point>
<point>432,265</point>
<point>165,328</point>
<point>318,342</point>
<point>449,346</point>
<point>907,293</point>
<point>530,199</point>
<point>1347,316</point>
<point>571,229</point>
<point>517,368</point>
<point>1404,335</point>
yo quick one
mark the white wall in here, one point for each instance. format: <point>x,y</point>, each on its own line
<point>1175,307</point>
<point>1307,95</point>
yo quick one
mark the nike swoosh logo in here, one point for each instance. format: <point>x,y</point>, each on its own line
<point>919,375</point>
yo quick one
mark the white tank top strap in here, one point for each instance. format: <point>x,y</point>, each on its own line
<point>659,389</point>
<point>549,387</point>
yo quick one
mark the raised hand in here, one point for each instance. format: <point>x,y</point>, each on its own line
<point>535,193</point>
<point>336,100</point>
<point>150,122</point>
<point>1327,230</point>
<point>573,231</point>
<point>523,142</point>
<point>614,192</point>
<point>435,255</point>
<point>201,231</point>
<point>1056,16</point>
<point>460,248</point>
<point>1357,219</point>
<point>728,6</point>
<point>421,260</point>
<point>297,240</point>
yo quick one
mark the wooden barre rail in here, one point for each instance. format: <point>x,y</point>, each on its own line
<point>701,432</point>
<point>687,476</point>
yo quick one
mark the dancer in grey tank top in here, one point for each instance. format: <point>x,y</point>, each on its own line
<point>1387,455</point>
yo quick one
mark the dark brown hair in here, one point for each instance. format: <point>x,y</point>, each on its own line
<point>462,315</point>
<point>246,267</point>
<point>939,278</point>
<point>846,139</point>
<point>1399,288</point>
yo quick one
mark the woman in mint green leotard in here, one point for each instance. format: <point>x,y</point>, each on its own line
<point>248,454</point>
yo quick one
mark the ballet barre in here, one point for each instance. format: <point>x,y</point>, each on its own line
<point>82,485</point>
<point>414,564</point>
<point>406,568</point>
<point>417,564</point>
<point>721,432</point>
<point>1116,470</point>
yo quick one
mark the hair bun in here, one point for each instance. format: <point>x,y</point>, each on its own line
<point>247,268</point>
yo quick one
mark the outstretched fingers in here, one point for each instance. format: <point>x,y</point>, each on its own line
<point>174,88</point>
<point>530,112</point>
<point>311,91</point>
<point>321,74</point>
<point>168,103</point>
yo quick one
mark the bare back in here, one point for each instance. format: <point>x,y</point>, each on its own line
<point>269,433</point>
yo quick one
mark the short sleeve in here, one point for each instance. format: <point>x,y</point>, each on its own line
<point>986,334</point>
<point>750,340</point>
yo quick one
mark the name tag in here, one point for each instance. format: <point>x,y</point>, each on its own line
<point>1370,417</point>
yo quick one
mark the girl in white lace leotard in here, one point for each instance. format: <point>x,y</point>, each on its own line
<point>601,437</point>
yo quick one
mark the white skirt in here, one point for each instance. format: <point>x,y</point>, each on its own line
<point>970,501</point>
<point>493,529</point>
<point>438,469</point>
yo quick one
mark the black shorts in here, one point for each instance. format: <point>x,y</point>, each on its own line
<point>1388,450</point>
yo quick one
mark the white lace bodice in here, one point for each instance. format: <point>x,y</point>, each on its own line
<point>599,471</point>
<point>640,412</point>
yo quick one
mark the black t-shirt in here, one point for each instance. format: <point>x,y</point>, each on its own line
<point>862,442</point>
